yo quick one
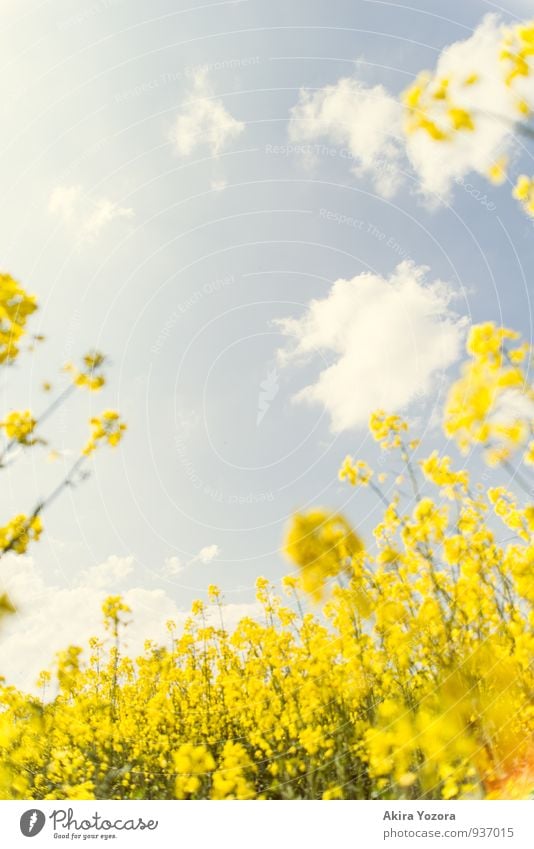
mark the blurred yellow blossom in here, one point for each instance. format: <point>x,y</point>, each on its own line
<point>91,375</point>
<point>16,306</point>
<point>106,428</point>
<point>19,426</point>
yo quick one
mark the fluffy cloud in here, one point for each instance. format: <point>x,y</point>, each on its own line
<point>368,121</point>
<point>204,120</point>
<point>174,566</point>
<point>389,337</point>
<point>108,573</point>
<point>64,201</point>
<point>103,213</point>
<point>89,217</point>
<point>510,406</point>
<point>50,617</point>
<point>208,553</point>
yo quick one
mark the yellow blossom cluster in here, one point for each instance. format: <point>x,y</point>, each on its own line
<point>497,170</point>
<point>524,193</point>
<point>19,532</point>
<point>19,426</point>
<point>387,429</point>
<point>91,375</point>
<point>15,308</point>
<point>517,55</point>
<point>105,429</point>
<point>492,403</point>
<point>357,473</point>
<point>193,764</point>
<point>438,470</point>
<point>432,106</point>
<point>322,545</point>
<point>444,106</point>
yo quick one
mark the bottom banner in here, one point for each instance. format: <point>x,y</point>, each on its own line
<point>240,825</point>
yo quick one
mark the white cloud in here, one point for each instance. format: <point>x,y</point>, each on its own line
<point>89,217</point>
<point>204,120</point>
<point>49,617</point>
<point>390,338</point>
<point>108,573</point>
<point>208,553</point>
<point>369,120</point>
<point>512,405</point>
<point>103,213</point>
<point>174,565</point>
<point>64,201</point>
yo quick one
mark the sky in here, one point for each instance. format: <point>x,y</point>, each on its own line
<point>218,195</point>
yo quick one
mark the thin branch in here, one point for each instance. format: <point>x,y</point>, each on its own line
<point>68,480</point>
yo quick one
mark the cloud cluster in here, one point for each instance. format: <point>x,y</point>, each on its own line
<point>369,121</point>
<point>51,617</point>
<point>492,103</point>
<point>204,120</point>
<point>174,566</point>
<point>366,121</point>
<point>389,339</point>
<point>88,217</point>
<point>108,573</point>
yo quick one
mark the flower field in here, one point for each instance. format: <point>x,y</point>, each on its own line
<point>411,678</point>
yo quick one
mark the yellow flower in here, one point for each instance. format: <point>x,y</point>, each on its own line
<point>524,192</point>
<point>112,607</point>
<point>193,764</point>
<point>16,306</point>
<point>387,429</point>
<point>497,171</point>
<point>214,593</point>
<point>323,545</point>
<point>230,780</point>
<point>461,119</point>
<point>19,425</point>
<point>19,532</point>
<point>438,470</point>
<point>522,187</point>
<point>355,472</point>
<point>106,428</point>
<point>90,376</point>
<point>476,409</point>
<point>334,792</point>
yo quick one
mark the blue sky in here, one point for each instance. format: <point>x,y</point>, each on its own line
<point>189,245</point>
